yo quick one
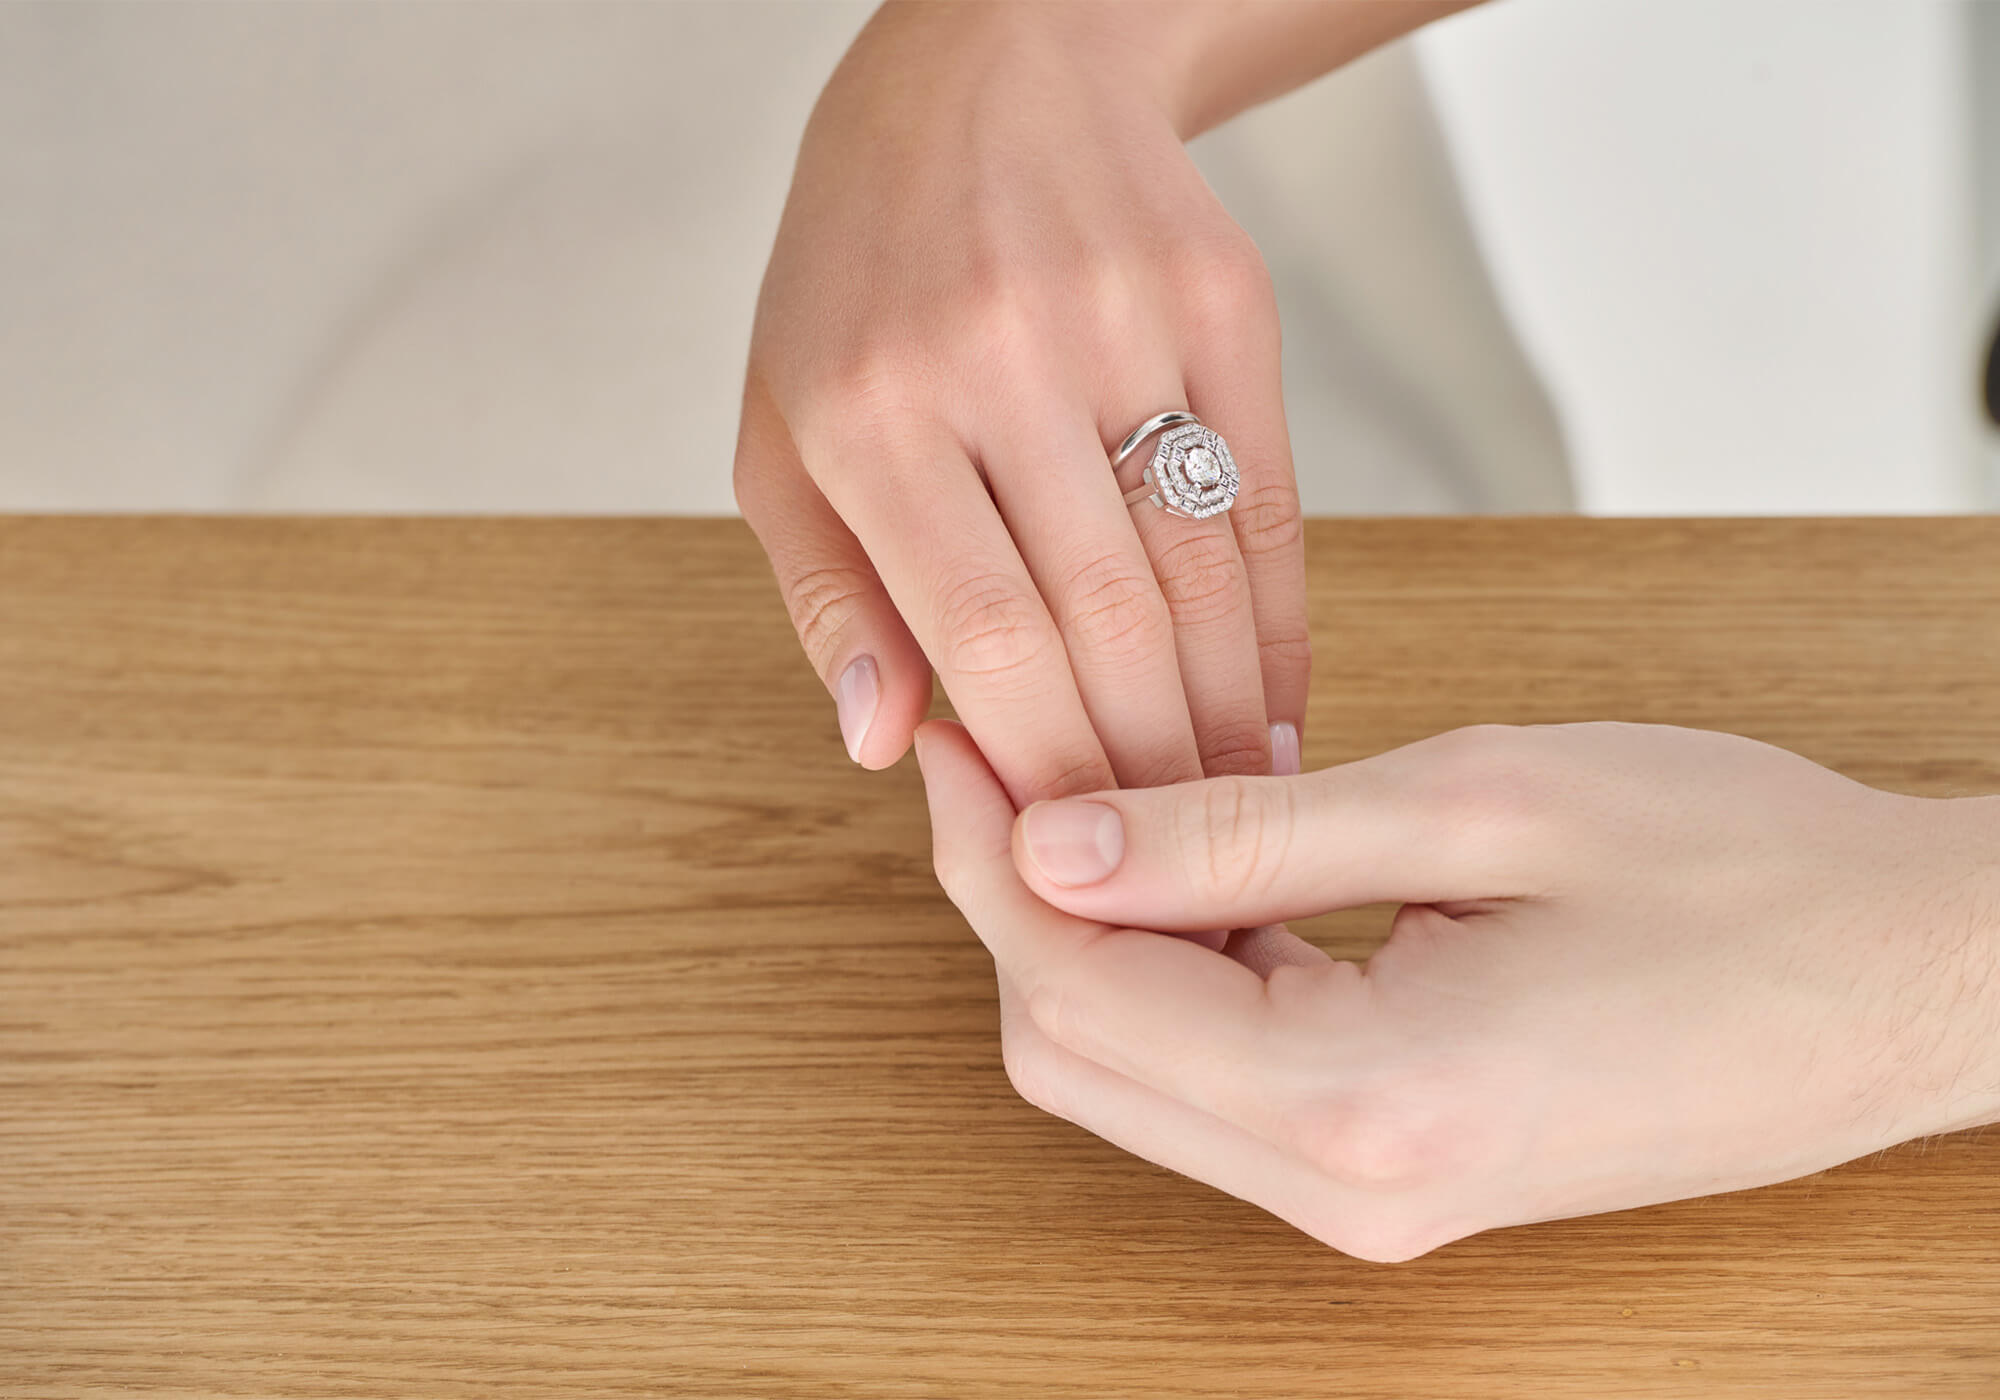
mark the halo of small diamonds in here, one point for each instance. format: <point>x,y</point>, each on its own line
<point>1193,472</point>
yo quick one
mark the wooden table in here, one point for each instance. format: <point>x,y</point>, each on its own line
<point>456,959</point>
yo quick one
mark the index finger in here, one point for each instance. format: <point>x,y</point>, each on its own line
<point>1166,1013</point>
<point>954,573</point>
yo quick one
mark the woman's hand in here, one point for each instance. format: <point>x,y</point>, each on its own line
<point>1633,964</point>
<point>996,260</point>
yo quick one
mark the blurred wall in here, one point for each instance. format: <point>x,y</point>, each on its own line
<point>357,256</point>
<point>1982,61</point>
<point>1738,237</point>
<point>502,257</point>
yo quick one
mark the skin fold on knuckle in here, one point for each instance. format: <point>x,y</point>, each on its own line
<point>1071,775</point>
<point>1200,579</point>
<point>871,397</point>
<point>1033,1071</point>
<point>1268,519</point>
<point>993,631</point>
<point>1235,749</point>
<point>822,602</point>
<point>1224,289</point>
<point>1114,610</point>
<point>1286,652</point>
<point>1232,839</point>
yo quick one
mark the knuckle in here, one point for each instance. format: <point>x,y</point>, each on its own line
<point>1241,263</point>
<point>1236,840</point>
<point>1005,314</point>
<point>1480,745</point>
<point>1226,287</point>
<point>950,874</point>
<point>1380,1232</point>
<point>1406,1146</point>
<point>1111,606</point>
<point>1242,749</point>
<point>822,602</point>
<point>997,325</point>
<point>1033,1072</point>
<point>992,629</point>
<point>1267,518</point>
<point>746,482</point>
<point>871,394</point>
<point>1200,578</point>
<point>1117,295</point>
<point>1160,769</point>
<point>1053,1012</point>
<point>1286,651</point>
<point>1495,794</point>
<point>957,875</point>
<point>1073,776</point>
<point>761,439</point>
<point>1381,1140</point>
<point>1315,992</point>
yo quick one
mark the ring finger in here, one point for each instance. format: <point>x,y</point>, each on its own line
<point>1207,591</point>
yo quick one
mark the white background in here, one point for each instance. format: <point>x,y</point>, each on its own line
<point>480,257</point>
<point>1737,238</point>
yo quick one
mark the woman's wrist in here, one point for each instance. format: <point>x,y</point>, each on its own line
<point>1199,62</point>
<point>1226,58</point>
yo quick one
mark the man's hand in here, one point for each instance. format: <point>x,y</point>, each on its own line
<point>1633,964</point>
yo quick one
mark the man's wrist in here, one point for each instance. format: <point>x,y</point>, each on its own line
<point>1965,1077</point>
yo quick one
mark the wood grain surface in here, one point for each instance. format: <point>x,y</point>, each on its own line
<point>455,958</point>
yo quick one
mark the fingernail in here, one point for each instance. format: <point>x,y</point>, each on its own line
<point>855,699</point>
<point>1285,750</point>
<point>1074,843</point>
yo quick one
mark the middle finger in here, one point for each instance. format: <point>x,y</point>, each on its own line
<point>1053,489</point>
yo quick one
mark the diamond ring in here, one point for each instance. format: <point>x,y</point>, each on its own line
<point>1192,474</point>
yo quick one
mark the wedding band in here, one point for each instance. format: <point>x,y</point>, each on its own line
<point>1192,474</point>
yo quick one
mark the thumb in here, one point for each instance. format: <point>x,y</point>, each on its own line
<point>1427,824</point>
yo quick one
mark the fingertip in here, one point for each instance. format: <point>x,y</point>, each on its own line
<point>952,765</point>
<point>1061,866</point>
<point>1286,756</point>
<point>1071,843</point>
<point>880,703</point>
<point>928,736</point>
<point>884,747</point>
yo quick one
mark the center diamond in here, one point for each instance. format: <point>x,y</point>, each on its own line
<point>1203,467</point>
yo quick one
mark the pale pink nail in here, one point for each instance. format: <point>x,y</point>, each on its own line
<point>855,699</point>
<point>1074,843</point>
<point>1285,750</point>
